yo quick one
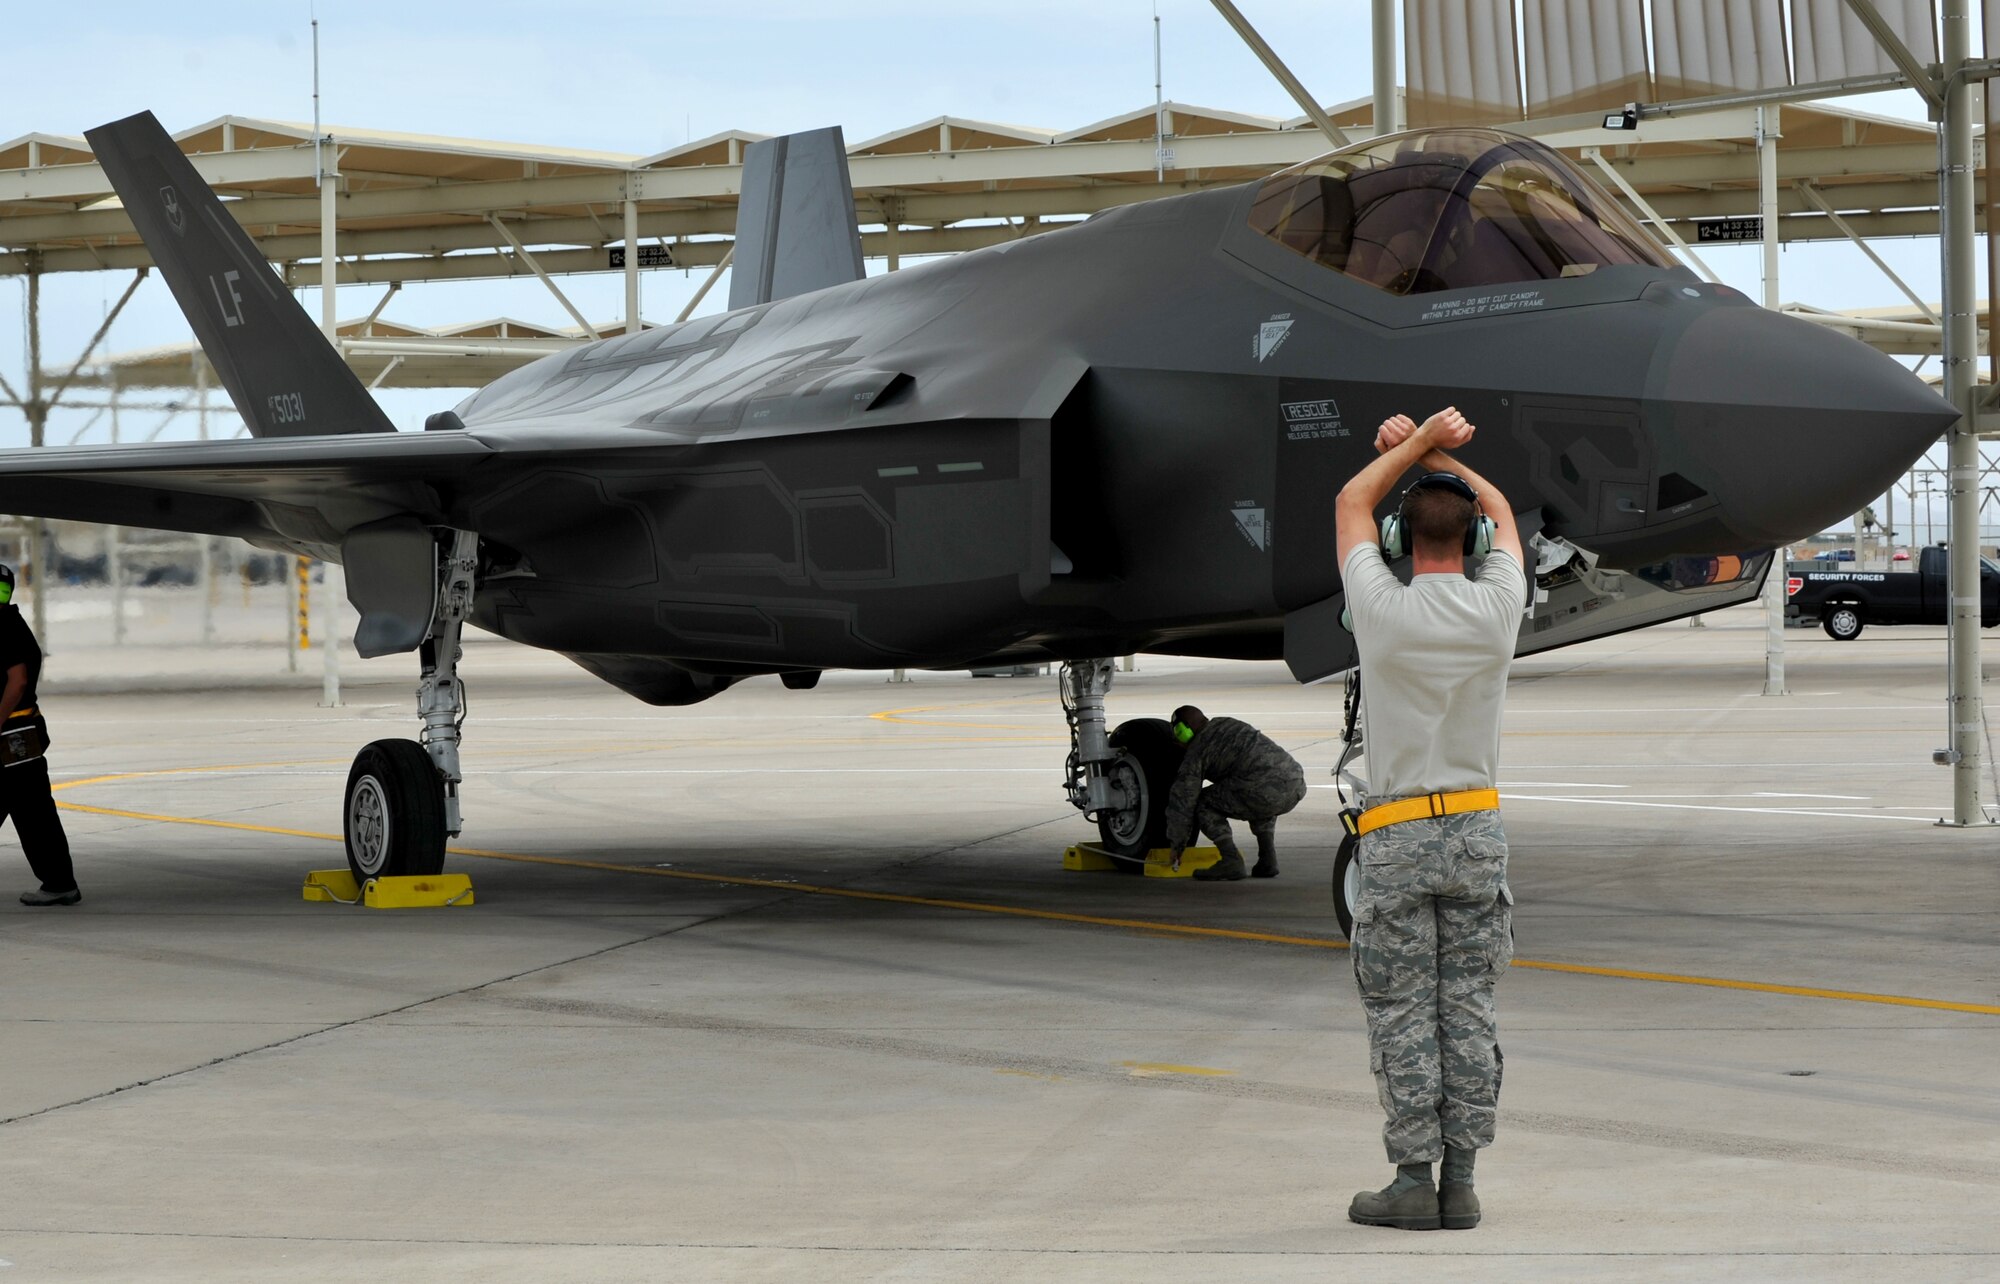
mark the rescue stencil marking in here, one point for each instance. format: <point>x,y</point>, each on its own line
<point>1311,420</point>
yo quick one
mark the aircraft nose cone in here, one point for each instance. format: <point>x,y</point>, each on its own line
<point>1797,426</point>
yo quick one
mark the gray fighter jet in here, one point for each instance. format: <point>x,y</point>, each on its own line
<point>1120,437</point>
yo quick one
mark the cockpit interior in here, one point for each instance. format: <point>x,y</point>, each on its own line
<point>1448,209</point>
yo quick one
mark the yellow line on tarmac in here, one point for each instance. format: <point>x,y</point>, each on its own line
<point>1054,916</point>
<point>1762,987</point>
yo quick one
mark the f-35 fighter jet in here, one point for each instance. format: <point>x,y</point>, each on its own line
<point>1123,436</point>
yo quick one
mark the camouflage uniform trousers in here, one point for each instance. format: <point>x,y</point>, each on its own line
<point>1433,930</point>
<point>1259,799</point>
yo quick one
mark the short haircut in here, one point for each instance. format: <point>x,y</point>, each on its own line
<point>1438,519</point>
<point>1189,714</point>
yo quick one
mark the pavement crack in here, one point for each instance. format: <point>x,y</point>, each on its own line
<point>397,1010</point>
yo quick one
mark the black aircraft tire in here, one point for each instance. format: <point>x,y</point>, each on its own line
<point>393,814</point>
<point>1346,883</point>
<point>1842,622</point>
<point>1149,757</point>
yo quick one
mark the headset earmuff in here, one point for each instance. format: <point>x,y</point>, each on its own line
<point>1479,532</point>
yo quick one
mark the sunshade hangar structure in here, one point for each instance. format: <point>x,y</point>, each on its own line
<point>1123,436</point>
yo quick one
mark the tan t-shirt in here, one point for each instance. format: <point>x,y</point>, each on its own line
<point>1434,657</point>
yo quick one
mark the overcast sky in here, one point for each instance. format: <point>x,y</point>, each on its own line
<point>617,75</point>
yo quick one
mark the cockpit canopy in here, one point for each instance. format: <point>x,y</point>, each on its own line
<point>1446,209</point>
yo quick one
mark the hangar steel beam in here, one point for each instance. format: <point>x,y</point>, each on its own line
<point>1919,77</point>
<point>1276,66</point>
<point>217,169</point>
<point>1596,157</point>
<point>534,265</point>
<point>1810,193</point>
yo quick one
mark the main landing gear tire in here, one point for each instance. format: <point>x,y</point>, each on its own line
<point>1147,762</point>
<point>394,814</point>
<point>1842,622</point>
<point>1346,883</point>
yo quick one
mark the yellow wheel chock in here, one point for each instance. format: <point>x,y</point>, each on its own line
<point>1092,858</point>
<point>420,891</point>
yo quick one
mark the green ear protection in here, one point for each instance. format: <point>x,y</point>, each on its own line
<point>6,584</point>
<point>1182,733</point>
<point>1478,533</point>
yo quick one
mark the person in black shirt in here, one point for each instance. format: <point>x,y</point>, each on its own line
<point>24,771</point>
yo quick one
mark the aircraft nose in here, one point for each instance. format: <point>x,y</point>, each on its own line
<point>1796,426</point>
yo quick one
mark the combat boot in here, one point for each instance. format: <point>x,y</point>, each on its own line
<point>1458,1205</point>
<point>1407,1203</point>
<point>1228,869</point>
<point>1267,854</point>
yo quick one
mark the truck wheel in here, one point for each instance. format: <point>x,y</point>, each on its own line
<point>1842,622</point>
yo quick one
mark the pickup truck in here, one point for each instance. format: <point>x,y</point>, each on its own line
<point>1844,599</point>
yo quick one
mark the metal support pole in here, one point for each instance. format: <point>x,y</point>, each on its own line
<point>329,258</point>
<point>1272,63</point>
<point>296,639</point>
<point>1967,717</point>
<point>1384,30</point>
<point>631,266</point>
<point>114,562</point>
<point>1767,207</point>
<point>38,422</point>
<point>209,589</point>
<point>333,585</point>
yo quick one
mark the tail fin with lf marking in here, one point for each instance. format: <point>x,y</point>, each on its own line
<point>285,378</point>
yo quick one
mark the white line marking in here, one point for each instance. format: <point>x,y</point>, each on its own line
<point>1766,793</point>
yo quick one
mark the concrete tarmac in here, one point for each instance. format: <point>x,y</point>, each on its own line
<point>791,985</point>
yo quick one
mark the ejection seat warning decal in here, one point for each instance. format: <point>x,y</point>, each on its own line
<point>1250,520</point>
<point>1312,420</point>
<point>1485,305</point>
<point>1271,335</point>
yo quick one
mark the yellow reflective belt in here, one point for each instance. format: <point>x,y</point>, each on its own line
<point>1428,807</point>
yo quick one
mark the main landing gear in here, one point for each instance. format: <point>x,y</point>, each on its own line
<point>402,795</point>
<point>1120,779</point>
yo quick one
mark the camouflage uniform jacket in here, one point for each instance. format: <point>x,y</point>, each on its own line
<point>1233,751</point>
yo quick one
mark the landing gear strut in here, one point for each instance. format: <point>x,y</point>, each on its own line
<point>1119,779</point>
<point>402,795</point>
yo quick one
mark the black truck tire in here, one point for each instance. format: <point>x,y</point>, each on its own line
<point>1842,621</point>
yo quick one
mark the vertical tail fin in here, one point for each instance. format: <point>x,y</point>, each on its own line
<point>285,378</point>
<point>795,228</point>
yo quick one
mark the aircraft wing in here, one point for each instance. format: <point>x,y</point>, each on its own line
<point>298,492</point>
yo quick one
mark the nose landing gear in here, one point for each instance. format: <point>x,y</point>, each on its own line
<point>1119,779</point>
<point>402,795</point>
